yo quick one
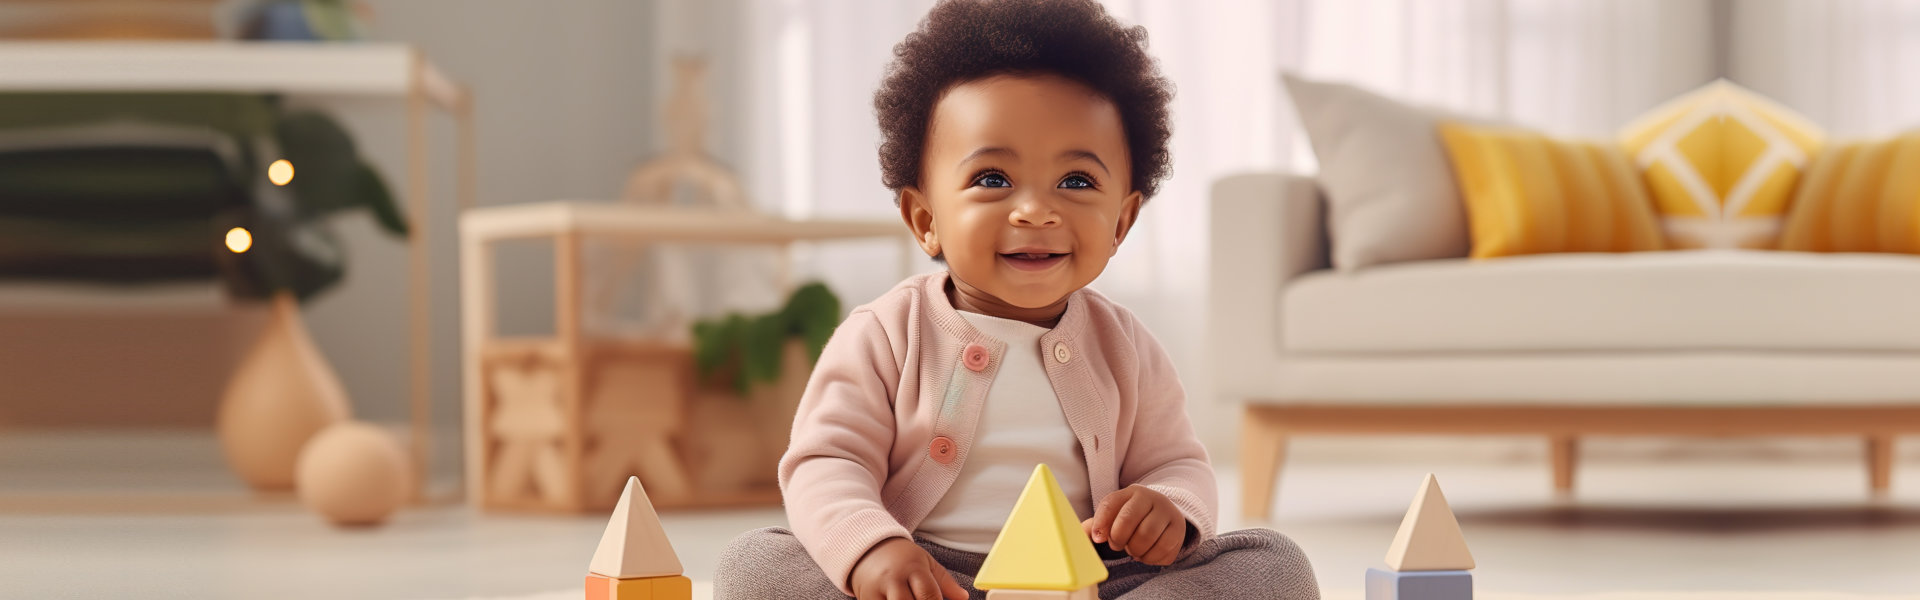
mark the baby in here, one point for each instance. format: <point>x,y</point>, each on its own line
<point>1021,138</point>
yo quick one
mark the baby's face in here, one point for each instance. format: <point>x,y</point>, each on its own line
<point>1025,187</point>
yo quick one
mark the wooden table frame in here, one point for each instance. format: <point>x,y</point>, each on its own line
<point>569,224</point>
<point>1265,429</point>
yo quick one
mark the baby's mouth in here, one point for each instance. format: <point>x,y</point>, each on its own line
<point>1033,261</point>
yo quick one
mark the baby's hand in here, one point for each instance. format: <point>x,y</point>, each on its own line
<point>898,569</point>
<point>1140,521</point>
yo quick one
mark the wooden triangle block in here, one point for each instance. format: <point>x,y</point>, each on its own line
<point>634,544</point>
<point>1042,546</point>
<point>1429,538</point>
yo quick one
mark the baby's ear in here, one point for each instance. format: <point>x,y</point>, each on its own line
<point>1129,211</point>
<point>918,214</point>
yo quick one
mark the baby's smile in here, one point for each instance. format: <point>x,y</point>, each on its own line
<point>1026,192</point>
<point>1034,260</point>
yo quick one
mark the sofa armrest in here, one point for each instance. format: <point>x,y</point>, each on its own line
<point>1266,229</point>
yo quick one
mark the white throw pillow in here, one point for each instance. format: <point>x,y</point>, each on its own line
<point>1390,189</point>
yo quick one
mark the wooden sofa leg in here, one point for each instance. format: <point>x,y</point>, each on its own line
<point>1263,447</point>
<point>1566,452</point>
<point>1880,463</point>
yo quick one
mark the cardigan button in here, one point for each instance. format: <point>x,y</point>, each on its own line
<point>1061,353</point>
<point>976,357</point>
<point>941,450</point>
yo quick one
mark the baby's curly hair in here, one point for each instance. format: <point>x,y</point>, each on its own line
<point>967,40</point>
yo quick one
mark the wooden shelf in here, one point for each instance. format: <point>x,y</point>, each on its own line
<point>30,297</point>
<point>658,224</point>
<point>322,68</point>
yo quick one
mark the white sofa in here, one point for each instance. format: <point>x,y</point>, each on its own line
<point>1704,342</point>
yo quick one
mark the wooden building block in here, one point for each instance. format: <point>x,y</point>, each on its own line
<point>1091,592</point>
<point>677,587</point>
<point>1419,585</point>
<point>1429,538</point>
<point>634,545</point>
<point>1042,546</point>
<point>599,587</point>
<point>630,589</point>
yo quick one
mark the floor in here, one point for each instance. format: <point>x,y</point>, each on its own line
<point>1637,523</point>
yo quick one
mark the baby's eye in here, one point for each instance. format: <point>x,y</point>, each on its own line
<point>1076,182</point>
<point>992,180</point>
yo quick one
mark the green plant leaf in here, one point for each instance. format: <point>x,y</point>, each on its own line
<point>760,347</point>
<point>751,346</point>
<point>386,211</point>
<point>330,20</point>
<point>326,167</point>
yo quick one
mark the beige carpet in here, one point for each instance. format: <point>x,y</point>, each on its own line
<point>704,591</point>
<point>1485,595</point>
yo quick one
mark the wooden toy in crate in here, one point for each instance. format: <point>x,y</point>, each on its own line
<point>564,428</point>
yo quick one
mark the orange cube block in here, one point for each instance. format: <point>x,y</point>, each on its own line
<point>676,587</point>
<point>599,588</point>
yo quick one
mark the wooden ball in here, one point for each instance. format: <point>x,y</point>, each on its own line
<point>353,473</point>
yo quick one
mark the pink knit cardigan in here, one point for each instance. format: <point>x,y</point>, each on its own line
<point>889,415</point>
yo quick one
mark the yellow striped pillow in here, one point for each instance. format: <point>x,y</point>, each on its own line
<point>1722,162</point>
<point>1859,197</point>
<point>1530,194</point>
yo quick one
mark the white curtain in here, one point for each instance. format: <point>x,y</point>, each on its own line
<point>1852,66</point>
<point>797,77</point>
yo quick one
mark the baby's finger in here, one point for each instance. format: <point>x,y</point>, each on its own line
<point>1168,548</point>
<point>1147,534</point>
<point>949,589</point>
<point>898,589</point>
<point>1103,516</point>
<point>1127,522</point>
<point>922,585</point>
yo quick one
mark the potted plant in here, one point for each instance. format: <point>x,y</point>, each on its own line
<point>761,364</point>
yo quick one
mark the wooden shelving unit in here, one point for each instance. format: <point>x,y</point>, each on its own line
<point>349,69</point>
<point>571,354</point>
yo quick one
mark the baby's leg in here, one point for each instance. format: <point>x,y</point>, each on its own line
<point>1250,563</point>
<point>770,564</point>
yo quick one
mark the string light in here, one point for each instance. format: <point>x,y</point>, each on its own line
<point>280,172</point>
<point>239,240</point>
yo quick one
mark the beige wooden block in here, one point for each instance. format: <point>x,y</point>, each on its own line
<point>1429,538</point>
<point>634,545</point>
<point>1086,593</point>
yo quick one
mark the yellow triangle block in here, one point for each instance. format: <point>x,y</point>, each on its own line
<point>1429,538</point>
<point>1042,546</point>
<point>634,544</point>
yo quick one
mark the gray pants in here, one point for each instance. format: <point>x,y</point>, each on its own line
<point>1250,564</point>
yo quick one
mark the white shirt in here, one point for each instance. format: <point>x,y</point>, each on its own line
<point>1020,426</point>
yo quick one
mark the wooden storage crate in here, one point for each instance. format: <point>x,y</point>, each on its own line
<point>563,428</point>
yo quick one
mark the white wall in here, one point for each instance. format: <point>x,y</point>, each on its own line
<point>564,97</point>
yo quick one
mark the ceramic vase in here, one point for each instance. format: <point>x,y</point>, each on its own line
<point>281,394</point>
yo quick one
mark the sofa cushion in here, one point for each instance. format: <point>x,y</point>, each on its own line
<point>1647,379</point>
<point>1357,135</point>
<point>1696,300</point>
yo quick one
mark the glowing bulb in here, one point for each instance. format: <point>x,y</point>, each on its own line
<point>238,240</point>
<point>280,172</point>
